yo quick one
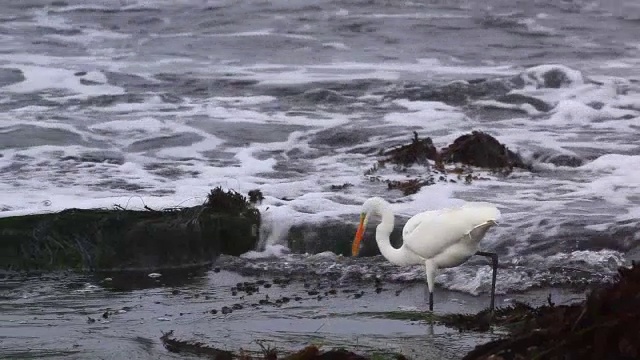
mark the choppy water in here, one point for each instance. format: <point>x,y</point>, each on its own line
<point>136,102</point>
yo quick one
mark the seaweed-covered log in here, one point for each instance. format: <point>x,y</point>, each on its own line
<point>119,239</point>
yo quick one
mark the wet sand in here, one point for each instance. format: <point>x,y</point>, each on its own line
<point>65,315</point>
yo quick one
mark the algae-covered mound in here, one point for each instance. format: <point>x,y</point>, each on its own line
<point>482,150</point>
<point>119,239</point>
<point>605,326</point>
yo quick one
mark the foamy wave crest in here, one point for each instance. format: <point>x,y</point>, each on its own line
<point>515,274</point>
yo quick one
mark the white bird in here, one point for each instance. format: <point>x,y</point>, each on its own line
<point>437,239</point>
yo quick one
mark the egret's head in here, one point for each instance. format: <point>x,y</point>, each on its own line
<point>355,247</point>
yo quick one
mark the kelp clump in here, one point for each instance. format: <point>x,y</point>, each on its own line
<point>605,326</point>
<point>419,151</point>
<point>234,220</point>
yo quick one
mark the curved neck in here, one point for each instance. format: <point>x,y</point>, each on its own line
<point>383,234</point>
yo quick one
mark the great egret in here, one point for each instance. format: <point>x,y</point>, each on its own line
<point>438,238</point>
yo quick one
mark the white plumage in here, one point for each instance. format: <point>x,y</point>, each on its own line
<point>438,238</point>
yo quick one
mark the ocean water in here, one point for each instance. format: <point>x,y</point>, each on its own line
<point>156,102</point>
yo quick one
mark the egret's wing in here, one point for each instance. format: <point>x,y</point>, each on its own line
<point>435,231</point>
<point>414,221</point>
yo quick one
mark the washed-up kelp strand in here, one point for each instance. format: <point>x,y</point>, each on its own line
<point>310,352</point>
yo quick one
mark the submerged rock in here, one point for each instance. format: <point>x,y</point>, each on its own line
<point>336,236</point>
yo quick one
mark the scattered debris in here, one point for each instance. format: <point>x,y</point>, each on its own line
<point>410,186</point>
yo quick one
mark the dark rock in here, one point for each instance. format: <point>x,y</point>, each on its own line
<point>336,236</point>
<point>481,150</point>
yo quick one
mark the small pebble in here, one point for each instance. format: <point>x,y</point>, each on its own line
<point>154,275</point>
<point>237,307</point>
<point>214,311</point>
<point>267,285</point>
<point>312,292</point>
<point>226,310</point>
<point>175,292</point>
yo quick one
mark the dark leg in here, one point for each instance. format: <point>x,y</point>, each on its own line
<point>494,264</point>
<point>430,301</point>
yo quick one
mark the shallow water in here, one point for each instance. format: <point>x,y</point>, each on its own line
<point>47,316</point>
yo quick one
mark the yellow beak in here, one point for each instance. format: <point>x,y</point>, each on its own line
<point>355,247</point>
